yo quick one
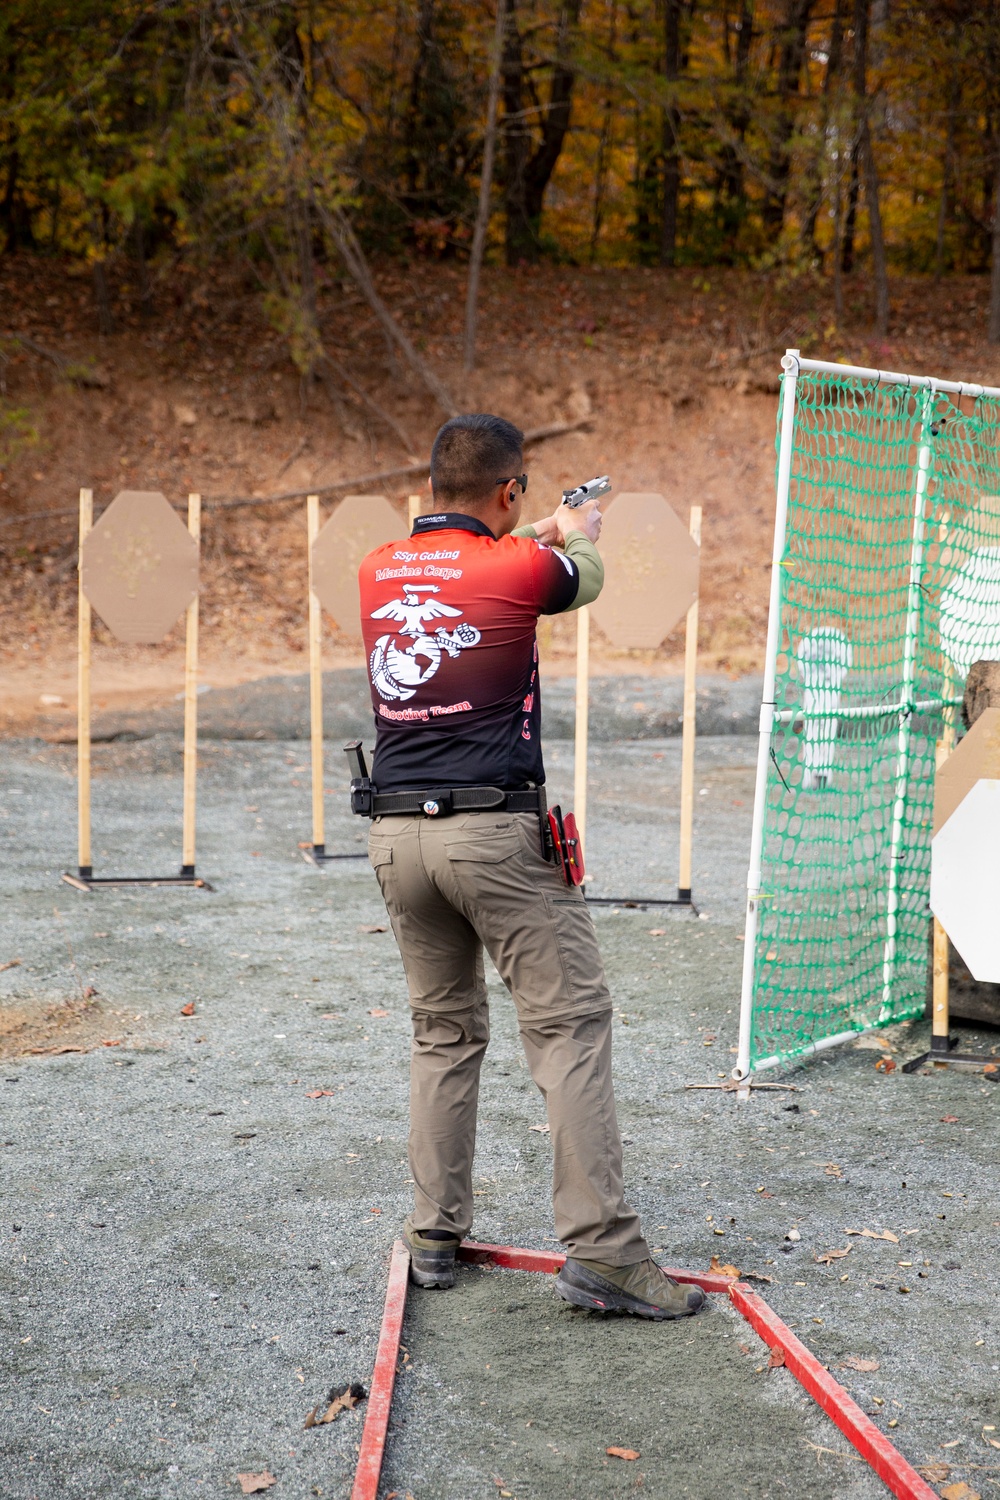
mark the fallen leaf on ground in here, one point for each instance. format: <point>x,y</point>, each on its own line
<point>371,927</point>
<point>628,1453</point>
<point>338,1401</point>
<point>657,932</point>
<point>378,1012</point>
<point>188,1010</point>
<point>863,1366</point>
<point>829,1256</point>
<point>721,1270</point>
<point>756,1276</point>
<point>875,1234</point>
<point>885,1065</point>
<point>936,1473</point>
<point>320,1094</point>
<point>542,1129</point>
<point>53,1051</point>
<point>990,1068</point>
<point>12,963</point>
<point>949,1119</point>
<point>960,1491</point>
<point>90,992</point>
<point>776,1360</point>
<point>110,1043</point>
<point>251,1484</point>
<point>305,843</point>
<point>832,1170</point>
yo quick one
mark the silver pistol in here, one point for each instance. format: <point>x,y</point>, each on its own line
<point>592,490</point>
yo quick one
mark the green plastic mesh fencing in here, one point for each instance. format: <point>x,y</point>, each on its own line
<point>890,590</point>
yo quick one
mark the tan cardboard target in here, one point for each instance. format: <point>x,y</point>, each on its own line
<point>139,566</point>
<point>651,571</point>
<point>965,873</point>
<point>358,525</point>
<point>977,758</point>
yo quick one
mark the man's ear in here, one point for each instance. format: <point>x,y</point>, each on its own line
<point>430,487</point>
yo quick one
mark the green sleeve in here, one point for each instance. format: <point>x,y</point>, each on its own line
<point>581,550</point>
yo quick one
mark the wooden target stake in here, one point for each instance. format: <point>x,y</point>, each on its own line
<point>413,507</point>
<point>582,722</point>
<point>315,685</point>
<point>688,730</point>
<point>940,1018</point>
<point>84,860</point>
<point>191,707</point>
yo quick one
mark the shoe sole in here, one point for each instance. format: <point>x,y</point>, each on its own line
<point>441,1279</point>
<point>618,1303</point>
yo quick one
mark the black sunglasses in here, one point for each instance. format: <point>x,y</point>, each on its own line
<point>521,479</point>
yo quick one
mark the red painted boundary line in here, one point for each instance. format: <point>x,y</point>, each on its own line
<point>549,1260</point>
<point>366,1475</point>
<point>888,1463</point>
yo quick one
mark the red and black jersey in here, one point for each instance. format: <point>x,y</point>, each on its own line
<point>449,621</point>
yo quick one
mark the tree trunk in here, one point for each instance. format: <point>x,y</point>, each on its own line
<point>994,325</point>
<point>102,296</point>
<point>814,186</point>
<point>730,179</point>
<point>864,157</point>
<point>604,143</point>
<point>528,172</point>
<point>485,189</point>
<point>851,215</point>
<point>671,125</point>
<point>519,241</point>
<point>879,264</point>
<point>791,56</point>
<point>425,47</point>
<point>948,162</point>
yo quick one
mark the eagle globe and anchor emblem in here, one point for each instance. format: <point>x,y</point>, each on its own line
<point>398,671</point>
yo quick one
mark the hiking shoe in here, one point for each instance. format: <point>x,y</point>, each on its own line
<point>643,1289</point>
<point>432,1262</point>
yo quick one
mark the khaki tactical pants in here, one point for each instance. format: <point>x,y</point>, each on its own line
<point>452,887</point>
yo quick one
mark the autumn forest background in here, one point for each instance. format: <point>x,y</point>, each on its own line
<point>260,248</point>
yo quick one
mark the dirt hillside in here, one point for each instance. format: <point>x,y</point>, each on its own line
<point>676,371</point>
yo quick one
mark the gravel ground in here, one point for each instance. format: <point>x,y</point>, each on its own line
<point>195,1250</point>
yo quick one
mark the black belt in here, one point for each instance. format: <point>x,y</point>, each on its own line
<point>440,801</point>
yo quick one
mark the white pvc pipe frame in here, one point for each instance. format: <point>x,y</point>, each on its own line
<point>792,366</point>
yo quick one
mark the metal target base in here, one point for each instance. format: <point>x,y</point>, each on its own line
<point>887,1462</point>
<point>316,854</point>
<point>86,880</point>
<point>943,1052</point>
<point>639,903</point>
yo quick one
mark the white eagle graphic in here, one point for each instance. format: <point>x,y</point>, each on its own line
<point>398,672</point>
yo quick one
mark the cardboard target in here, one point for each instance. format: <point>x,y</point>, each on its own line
<point>358,525</point>
<point>651,571</point>
<point>139,566</point>
<point>977,758</point>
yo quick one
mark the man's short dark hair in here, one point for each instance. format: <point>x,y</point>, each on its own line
<point>470,454</point>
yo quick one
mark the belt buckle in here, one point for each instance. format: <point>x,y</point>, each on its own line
<point>437,805</point>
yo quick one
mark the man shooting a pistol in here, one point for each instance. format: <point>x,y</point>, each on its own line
<point>458,845</point>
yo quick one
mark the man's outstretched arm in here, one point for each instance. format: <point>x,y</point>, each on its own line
<point>575,529</point>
